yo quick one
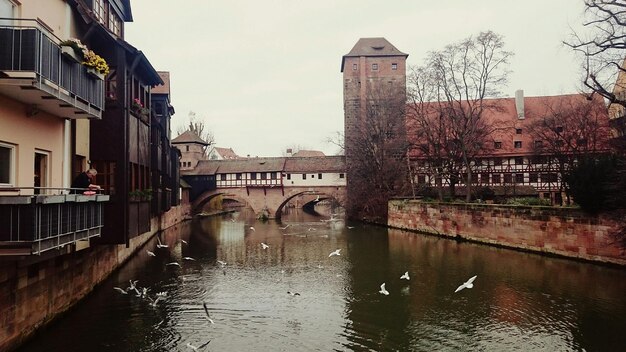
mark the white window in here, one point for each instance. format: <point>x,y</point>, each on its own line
<point>115,24</point>
<point>99,9</point>
<point>394,66</point>
<point>7,164</point>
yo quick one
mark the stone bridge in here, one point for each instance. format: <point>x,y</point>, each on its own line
<point>271,199</point>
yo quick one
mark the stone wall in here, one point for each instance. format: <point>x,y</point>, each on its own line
<point>35,289</point>
<point>560,231</point>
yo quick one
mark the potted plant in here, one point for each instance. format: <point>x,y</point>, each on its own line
<point>96,65</point>
<point>74,49</point>
<point>140,110</point>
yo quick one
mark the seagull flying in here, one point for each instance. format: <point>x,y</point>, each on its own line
<point>151,254</point>
<point>121,290</point>
<point>159,244</point>
<point>405,276</point>
<point>188,258</point>
<point>383,291</point>
<point>153,302</point>
<point>173,263</point>
<point>350,227</point>
<point>334,253</point>
<point>466,284</point>
<point>252,228</point>
<point>206,310</point>
<point>264,245</point>
<point>293,293</point>
<point>183,241</point>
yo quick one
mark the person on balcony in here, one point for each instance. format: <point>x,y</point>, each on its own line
<point>83,182</point>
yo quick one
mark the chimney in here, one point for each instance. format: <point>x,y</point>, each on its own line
<point>519,103</point>
<point>289,152</point>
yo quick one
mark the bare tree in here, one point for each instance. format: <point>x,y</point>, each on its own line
<point>603,48</point>
<point>198,126</point>
<point>377,146</point>
<point>449,99</point>
<point>570,128</point>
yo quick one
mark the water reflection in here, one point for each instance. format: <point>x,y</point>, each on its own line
<point>520,301</point>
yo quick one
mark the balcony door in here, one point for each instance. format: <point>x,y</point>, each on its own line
<point>41,171</point>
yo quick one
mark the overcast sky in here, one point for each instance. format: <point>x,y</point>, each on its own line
<point>265,75</point>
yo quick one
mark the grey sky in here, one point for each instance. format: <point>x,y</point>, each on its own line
<point>264,75</point>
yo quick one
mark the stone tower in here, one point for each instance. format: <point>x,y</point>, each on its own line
<point>373,70</point>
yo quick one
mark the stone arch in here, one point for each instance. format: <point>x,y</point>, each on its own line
<point>294,194</point>
<point>207,196</point>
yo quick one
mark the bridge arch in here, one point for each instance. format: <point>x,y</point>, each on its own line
<point>271,200</point>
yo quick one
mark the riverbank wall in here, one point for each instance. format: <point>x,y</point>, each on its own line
<point>36,289</point>
<point>557,231</point>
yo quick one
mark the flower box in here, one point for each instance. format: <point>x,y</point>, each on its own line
<point>70,53</point>
<point>95,73</point>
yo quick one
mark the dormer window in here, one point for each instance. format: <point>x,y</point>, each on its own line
<point>99,10</point>
<point>115,24</point>
<point>378,47</point>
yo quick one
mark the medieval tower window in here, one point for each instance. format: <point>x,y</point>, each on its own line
<point>394,66</point>
<point>354,67</point>
<point>374,67</point>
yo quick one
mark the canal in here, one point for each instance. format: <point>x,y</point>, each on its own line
<point>519,302</point>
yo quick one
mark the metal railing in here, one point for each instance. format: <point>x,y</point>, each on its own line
<point>30,48</point>
<point>44,222</point>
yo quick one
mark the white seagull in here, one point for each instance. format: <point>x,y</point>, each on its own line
<point>153,302</point>
<point>467,284</point>
<point>208,316</point>
<point>223,264</point>
<point>383,291</point>
<point>405,276</point>
<point>264,246</point>
<point>121,290</point>
<point>188,258</point>
<point>334,253</point>
<point>317,199</point>
<point>252,228</point>
<point>183,241</point>
<point>160,245</point>
<point>173,263</point>
<point>350,227</point>
<point>151,254</point>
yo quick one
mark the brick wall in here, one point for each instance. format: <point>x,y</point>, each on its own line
<point>34,289</point>
<point>559,231</point>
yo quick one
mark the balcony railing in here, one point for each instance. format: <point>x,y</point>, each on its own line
<point>33,224</point>
<point>31,61</point>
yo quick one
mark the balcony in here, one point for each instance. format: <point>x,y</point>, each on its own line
<point>34,224</point>
<point>34,71</point>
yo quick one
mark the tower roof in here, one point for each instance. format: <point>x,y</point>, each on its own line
<point>188,137</point>
<point>372,47</point>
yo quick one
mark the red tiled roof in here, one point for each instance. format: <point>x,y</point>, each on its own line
<point>505,114</point>
<point>308,153</point>
<point>316,164</point>
<point>226,153</point>
<point>165,87</point>
<point>188,137</point>
<point>372,47</point>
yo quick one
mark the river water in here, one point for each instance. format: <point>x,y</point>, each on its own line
<point>519,302</point>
